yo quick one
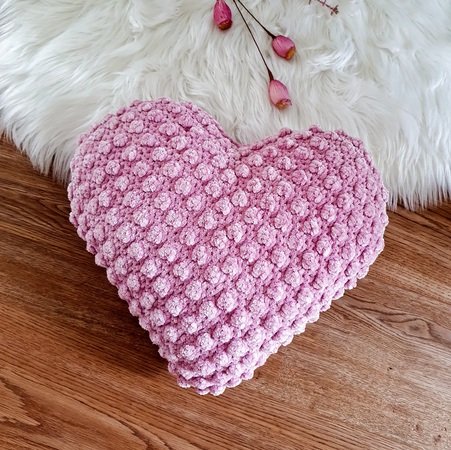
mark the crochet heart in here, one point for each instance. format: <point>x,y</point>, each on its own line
<point>223,251</point>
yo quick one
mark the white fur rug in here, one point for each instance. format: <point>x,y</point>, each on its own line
<point>380,70</point>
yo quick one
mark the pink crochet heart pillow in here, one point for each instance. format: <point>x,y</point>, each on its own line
<point>223,251</point>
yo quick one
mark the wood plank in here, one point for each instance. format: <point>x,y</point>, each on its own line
<point>77,371</point>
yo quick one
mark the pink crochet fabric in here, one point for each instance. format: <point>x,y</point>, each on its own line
<point>224,252</point>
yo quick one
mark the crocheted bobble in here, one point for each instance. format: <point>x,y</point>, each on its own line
<point>224,252</point>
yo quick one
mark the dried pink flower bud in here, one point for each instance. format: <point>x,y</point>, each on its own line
<point>278,94</point>
<point>284,47</point>
<point>222,15</point>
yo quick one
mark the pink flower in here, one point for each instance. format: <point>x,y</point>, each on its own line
<point>278,94</point>
<point>222,15</point>
<point>284,47</point>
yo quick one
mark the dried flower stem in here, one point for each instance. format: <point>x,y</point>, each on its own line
<point>252,15</point>
<point>271,76</point>
<point>333,9</point>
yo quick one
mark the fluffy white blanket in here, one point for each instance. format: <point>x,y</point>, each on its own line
<point>381,70</point>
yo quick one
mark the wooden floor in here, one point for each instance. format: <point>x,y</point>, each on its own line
<point>77,371</point>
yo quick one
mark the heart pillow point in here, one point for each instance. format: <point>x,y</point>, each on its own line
<point>224,252</point>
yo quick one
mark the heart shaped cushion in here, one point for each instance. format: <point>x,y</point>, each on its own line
<point>223,251</point>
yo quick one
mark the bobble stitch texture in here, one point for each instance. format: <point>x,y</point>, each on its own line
<point>223,252</point>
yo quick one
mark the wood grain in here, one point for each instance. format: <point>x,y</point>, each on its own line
<point>77,372</point>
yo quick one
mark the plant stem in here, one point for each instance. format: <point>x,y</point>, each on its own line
<point>271,77</point>
<point>252,15</point>
<point>333,9</point>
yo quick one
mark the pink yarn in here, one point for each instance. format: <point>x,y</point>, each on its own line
<point>224,252</point>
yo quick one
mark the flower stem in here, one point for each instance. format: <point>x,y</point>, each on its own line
<point>333,9</point>
<point>271,77</point>
<point>252,15</point>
